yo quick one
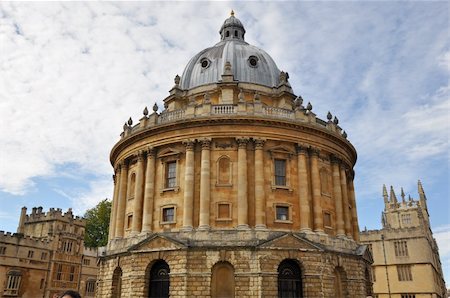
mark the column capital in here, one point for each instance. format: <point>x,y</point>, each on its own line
<point>242,142</point>
<point>151,152</point>
<point>301,149</point>
<point>313,151</point>
<point>141,155</point>
<point>335,159</point>
<point>259,143</point>
<point>206,143</point>
<point>189,144</point>
<point>114,177</point>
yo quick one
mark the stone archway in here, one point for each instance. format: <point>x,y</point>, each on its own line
<point>222,280</point>
<point>289,279</point>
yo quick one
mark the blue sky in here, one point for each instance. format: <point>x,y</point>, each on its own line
<point>72,72</point>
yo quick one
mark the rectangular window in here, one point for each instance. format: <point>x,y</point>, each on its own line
<point>43,256</point>
<point>282,213</point>
<point>374,276</point>
<point>86,262</point>
<point>401,248</point>
<point>129,221</point>
<point>408,295</point>
<point>280,172</point>
<point>90,287</point>
<point>12,285</point>
<point>58,271</point>
<point>30,254</point>
<point>72,273</point>
<point>404,272</point>
<point>223,211</point>
<point>168,214</point>
<point>406,219</point>
<point>2,250</point>
<point>327,220</point>
<point>171,174</point>
<point>41,286</point>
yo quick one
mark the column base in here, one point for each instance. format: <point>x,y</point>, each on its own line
<point>204,228</point>
<point>186,229</point>
<point>306,231</point>
<point>243,227</point>
<point>260,227</point>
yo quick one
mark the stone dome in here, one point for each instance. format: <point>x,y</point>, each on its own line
<point>248,63</point>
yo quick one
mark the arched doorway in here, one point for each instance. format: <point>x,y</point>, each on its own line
<point>222,280</point>
<point>117,283</point>
<point>159,280</point>
<point>289,280</point>
<point>340,283</point>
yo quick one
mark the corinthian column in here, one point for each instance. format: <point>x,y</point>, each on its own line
<point>260,210</point>
<point>205,185</point>
<point>242,184</point>
<point>305,209</point>
<point>122,199</point>
<point>112,223</point>
<point>149,191</point>
<point>188,203</point>
<point>351,195</point>
<point>337,196</point>
<point>138,194</point>
<point>347,218</point>
<point>315,178</point>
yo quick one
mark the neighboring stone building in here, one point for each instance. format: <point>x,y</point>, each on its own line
<point>234,190</point>
<point>406,257</point>
<point>46,256</point>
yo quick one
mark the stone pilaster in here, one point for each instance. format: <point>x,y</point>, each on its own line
<point>337,193</point>
<point>119,230</point>
<point>138,194</point>
<point>188,202</point>
<point>242,193</point>
<point>149,192</point>
<point>260,200</point>
<point>347,216</point>
<point>303,186</point>
<point>205,184</point>
<point>316,195</point>
<point>113,219</point>
<point>351,195</point>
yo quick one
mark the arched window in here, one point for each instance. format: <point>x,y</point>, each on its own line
<point>235,33</point>
<point>132,188</point>
<point>159,280</point>
<point>117,283</point>
<point>227,34</point>
<point>222,280</point>
<point>224,171</point>
<point>289,280</point>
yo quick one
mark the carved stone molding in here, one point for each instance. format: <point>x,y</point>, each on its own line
<point>313,151</point>
<point>242,142</point>
<point>206,144</point>
<point>301,149</point>
<point>259,143</point>
<point>189,144</point>
<point>335,159</point>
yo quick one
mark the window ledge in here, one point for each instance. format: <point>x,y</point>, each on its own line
<point>174,189</point>
<point>224,185</point>
<point>224,219</point>
<point>283,221</point>
<point>167,222</point>
<point>274,187</point>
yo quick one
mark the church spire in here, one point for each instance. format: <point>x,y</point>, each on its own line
<point>393,197</point>
<point>403,195</point>
<point>422,196</point>
<point>385,195</point>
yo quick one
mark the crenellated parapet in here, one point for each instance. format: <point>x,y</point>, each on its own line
<point>37,215</point>
<point>25,240</point>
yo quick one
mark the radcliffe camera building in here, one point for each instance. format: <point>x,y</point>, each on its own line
<point>405,254</point>
<point>235,189</point>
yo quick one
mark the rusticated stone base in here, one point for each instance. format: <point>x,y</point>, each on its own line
<point>255,258</point>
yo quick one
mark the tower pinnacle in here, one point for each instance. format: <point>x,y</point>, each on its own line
<point>385,195</point>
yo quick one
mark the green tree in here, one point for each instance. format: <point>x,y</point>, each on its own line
<point>97,224</point>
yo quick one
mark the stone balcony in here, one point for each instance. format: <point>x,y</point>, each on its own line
<point>252,110</point>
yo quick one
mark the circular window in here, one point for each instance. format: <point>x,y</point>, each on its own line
<point>205,63</point>
<point>253,61</point>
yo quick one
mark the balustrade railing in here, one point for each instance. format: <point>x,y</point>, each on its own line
<point>223,109</point>
<point>278,112</point>
<point>170,116</point>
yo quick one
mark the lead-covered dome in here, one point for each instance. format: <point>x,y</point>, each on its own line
<point>248,63</point>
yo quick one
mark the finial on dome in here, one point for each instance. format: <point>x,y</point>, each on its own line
<point>130,121</point>
<point>232,13</point>
<point>329,116</point>
<point>145,112</point>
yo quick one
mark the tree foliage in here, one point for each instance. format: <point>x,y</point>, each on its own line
<point>97,224</point>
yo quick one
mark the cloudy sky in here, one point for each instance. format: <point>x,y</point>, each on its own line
<point>71,73</point>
